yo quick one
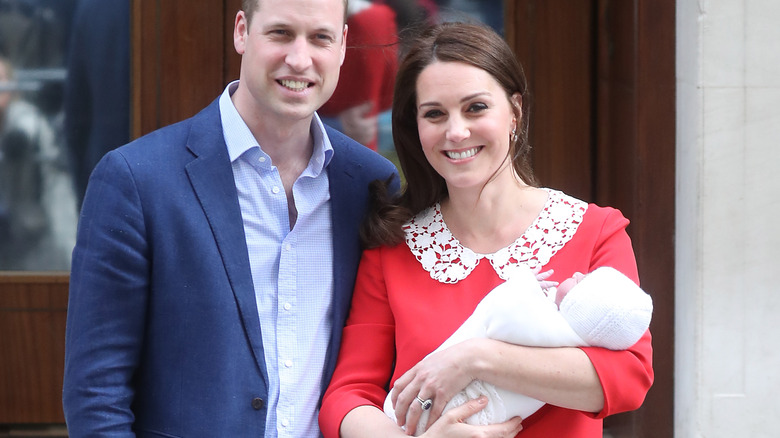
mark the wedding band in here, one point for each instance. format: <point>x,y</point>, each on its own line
<point>426,404</point>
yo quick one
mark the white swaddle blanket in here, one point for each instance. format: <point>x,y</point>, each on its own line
<point>605,309</point>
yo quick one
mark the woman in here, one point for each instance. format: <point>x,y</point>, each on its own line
<point>471,214</point>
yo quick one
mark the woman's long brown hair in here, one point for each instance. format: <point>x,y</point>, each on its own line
<point>472,44</point>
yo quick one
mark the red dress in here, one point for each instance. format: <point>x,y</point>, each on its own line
<point>411,297</point>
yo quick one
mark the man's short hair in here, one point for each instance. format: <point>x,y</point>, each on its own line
<point>250,6</point>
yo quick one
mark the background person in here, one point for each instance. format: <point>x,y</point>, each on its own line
<point>97,88</point>
<point>366,85</point>
<point>37,203</point>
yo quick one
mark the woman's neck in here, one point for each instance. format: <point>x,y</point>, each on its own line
<point>489,219</point>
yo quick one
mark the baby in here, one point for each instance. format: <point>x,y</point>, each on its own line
<point>601,309</point>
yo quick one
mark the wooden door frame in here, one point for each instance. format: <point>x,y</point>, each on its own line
<point>182,58</point>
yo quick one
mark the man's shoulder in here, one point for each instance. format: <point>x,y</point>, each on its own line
<point>175,135</point>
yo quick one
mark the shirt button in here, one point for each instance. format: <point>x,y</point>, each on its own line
<point>287,306</point>
<point>287,247</point>
<point>285,422</point>
<point>288,363</point>
<point>258,403</point>
<point>261,159</point>
<point>275,189</point>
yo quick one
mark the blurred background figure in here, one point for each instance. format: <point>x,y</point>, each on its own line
<point>97,89</point>
<point>37,204</point>
<point>489,12</point>
<point>365,86</point>
<point>411,12</point>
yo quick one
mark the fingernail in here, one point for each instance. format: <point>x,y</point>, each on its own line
<point>482,400</point>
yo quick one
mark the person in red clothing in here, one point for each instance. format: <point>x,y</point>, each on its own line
<point>602,309</point>
<point>471,212</point>
<point>365,85</point>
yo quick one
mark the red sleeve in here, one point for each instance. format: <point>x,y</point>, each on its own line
<point>627,375</point>
<point>365,361</point>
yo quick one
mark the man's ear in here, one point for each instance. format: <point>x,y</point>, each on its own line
<point>240,30</point>
<point>344,44</point>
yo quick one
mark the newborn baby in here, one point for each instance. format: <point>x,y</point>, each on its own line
<point>601,309</point>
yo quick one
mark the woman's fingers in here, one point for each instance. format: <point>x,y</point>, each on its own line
<point>453,423</point>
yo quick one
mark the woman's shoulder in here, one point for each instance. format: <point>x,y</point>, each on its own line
<point>605,216</point>
<point>592,211</point>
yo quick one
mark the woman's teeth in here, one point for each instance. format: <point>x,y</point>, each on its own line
<point>461,155</point>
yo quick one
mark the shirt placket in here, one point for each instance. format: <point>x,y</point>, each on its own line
<point>287,341</point>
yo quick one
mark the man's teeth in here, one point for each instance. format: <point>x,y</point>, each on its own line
<point>294,85</point>
<point>461,155</point>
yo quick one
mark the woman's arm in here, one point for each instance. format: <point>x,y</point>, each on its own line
<point>563,377</point>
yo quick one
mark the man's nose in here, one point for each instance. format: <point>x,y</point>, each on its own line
<point>299,57</point>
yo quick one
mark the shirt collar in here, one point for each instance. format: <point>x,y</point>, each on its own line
<point>239,138</point>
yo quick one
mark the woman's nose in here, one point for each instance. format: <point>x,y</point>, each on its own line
<point>457,130</point>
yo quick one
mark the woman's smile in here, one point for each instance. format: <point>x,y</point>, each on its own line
<point>462,154</point>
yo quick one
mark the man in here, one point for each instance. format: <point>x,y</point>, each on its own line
<point>216,257</point>
<point>97,87</point>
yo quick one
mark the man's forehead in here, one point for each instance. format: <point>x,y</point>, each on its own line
<point>323,7</point>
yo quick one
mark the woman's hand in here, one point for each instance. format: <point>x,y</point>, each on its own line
<point>438,378</point>
<point>452,423</point>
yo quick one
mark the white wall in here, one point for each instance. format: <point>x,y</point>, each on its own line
<point>727,359</point>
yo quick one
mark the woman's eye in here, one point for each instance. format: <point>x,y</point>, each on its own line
<point>477,107</point>
<point>432,114</point>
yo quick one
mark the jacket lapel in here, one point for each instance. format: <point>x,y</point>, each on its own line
<point>211,176</point>
<point>347,212</point>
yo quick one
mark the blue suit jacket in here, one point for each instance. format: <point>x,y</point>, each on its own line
<point>163,336</point>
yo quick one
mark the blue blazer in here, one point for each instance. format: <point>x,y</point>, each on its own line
<point>163,336</point>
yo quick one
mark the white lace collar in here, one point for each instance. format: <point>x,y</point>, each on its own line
<point>442,255</point>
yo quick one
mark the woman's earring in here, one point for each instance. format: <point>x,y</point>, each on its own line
<point>513,137</point>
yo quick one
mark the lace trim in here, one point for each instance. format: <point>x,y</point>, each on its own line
<point>447,261</point>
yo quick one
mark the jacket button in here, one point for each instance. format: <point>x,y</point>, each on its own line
<point>258,403</point>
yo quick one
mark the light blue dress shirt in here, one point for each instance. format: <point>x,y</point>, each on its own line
<point>291,269</point>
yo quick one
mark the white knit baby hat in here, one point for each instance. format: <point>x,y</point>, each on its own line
<point>607,309</point>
